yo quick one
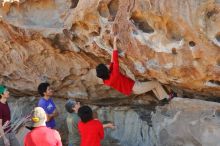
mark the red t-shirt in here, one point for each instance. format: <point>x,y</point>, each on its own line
<point>91,133</point>
<point>117,80</point>
<point>5,114</point>
<point>42,136</point>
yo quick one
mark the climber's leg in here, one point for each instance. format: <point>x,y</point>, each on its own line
<point>143,87</point>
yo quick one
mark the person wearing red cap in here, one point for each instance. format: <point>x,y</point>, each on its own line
<point>7,137</point>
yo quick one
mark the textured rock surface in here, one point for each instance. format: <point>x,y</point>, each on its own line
<point>187,122</point>
<point>176,42</point>
<point>184,122</point>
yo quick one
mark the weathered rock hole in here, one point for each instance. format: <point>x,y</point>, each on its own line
<point>176,37</point>
<point>103,9</point>
<point>113,7</point>
<point>215,82</point>
<point>174,51</point>
<point>55,41</point>
<point>94,33</point>
<point>217,36</point>
<point>211,13</point>
<point>173,31</point>
<point>80,40</point>
<point>79,25</point>
<point>141,23</point>
<point>108,31</point>
<point>146,27</point>
<point>67,33</point>
<point>192,44</point>
<point>74,4</point>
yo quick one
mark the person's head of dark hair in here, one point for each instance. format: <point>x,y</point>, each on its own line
<point>85,113</point>
<point>42,88</point>
<point>102,71</point>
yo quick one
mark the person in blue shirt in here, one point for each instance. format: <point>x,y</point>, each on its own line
<point>47,104</point>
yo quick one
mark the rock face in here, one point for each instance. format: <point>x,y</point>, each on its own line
<point>184,122</point>
<point>187,122</point>
<point>176,42</point>
<point>61,41</point>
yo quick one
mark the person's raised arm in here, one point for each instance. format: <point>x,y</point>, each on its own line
<point>115,56</point>
<point>115,43</point>
<point>114,47</point>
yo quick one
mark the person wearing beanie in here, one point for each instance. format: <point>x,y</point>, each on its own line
<point>41,135</point>
<point>7,137</point>
<point>46,102</point>
<point>114,78</point>
<point>72,121</point>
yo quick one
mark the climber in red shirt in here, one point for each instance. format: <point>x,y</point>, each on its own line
<point>114,78</point>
